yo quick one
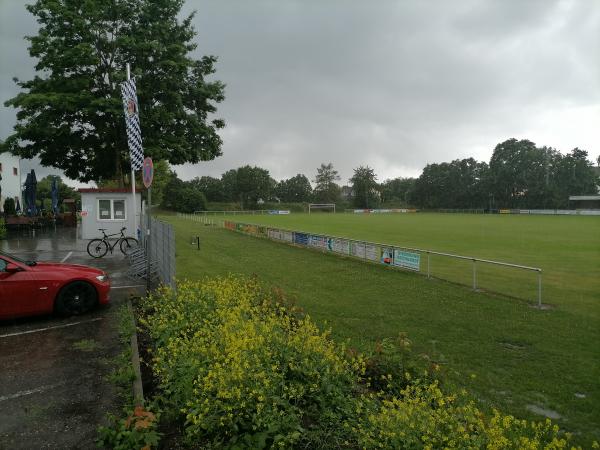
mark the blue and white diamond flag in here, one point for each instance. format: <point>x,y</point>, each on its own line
<point>132,123</point>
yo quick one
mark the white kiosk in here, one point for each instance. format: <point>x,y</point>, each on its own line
<point>110,208</point>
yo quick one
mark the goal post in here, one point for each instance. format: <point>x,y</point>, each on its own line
<point>323,206</point>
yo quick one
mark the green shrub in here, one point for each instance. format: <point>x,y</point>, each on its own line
<point>137,431</point>
<point>424,417</point>
<point>9,206</point>
<point>2,228</point>
<point>245,371</point>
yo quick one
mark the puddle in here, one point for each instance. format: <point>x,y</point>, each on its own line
<point>550,414</point>
<point>513,345</point>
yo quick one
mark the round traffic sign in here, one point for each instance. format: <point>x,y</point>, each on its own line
<point>147,172</point>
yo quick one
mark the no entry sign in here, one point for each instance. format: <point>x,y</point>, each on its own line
<point>147,172</point>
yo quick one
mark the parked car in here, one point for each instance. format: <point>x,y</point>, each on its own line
<point>29,288</point>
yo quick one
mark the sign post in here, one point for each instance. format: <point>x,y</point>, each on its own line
<point>147,176</point>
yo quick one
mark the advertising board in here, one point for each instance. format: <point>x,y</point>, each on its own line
<point>407,260</point>
<point>301,238</point>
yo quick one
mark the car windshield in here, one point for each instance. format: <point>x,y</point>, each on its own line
<point>22,261</point>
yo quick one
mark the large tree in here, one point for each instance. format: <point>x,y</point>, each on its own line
<point>248,185</point>
<point>397,190</point>
<point>364,187</point>
<point>183,196</point>
<point>525,176</point>
<point>44,191</point>
<point>514,165</point>
<point>295,189</point>
<point>326,189</point>
<point>70,114</point>
<point>211,187</point>
<point>573,175</point>
<point>458,184</point>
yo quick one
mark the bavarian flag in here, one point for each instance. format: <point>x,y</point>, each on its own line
<point>132,123</point>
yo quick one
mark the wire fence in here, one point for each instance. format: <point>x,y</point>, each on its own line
<point>157,258</point>
<point>478,273</point>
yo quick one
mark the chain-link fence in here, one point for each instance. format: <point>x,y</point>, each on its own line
<point>162,250</point>
<point>159,245</point>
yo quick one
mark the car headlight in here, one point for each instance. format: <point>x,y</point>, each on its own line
<point>102,278</point>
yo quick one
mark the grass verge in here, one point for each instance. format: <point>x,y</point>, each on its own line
<point>512,357</point>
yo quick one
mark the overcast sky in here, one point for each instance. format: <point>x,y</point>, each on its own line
<point>390,84</point>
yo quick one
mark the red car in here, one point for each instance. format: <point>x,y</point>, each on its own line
<point>28,287</point>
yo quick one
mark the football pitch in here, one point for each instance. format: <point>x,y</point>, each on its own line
<point>522,360</point>
<point>567,249</point>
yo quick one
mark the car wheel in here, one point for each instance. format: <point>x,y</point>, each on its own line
<point>76,298</point>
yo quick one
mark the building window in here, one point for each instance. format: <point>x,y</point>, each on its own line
<point>14,170</point>
<point>111,209</point>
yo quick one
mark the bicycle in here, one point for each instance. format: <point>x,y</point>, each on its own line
<point>97,248</point>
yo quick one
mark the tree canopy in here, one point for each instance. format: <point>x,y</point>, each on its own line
<point>211,187</point>
<point>70,114</point>
<point>457,184</point>
<point>295,189</point>
<point>44,191</point>
<point>183,196</point>
<point>519,175</point>
<point>397,190</point>
<point>248,185</point>
<point>326,190</point>
<point>364,187</point>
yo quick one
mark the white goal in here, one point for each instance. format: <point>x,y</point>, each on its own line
<point>321,206</point>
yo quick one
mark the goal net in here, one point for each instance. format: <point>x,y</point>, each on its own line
<point>326,207</point>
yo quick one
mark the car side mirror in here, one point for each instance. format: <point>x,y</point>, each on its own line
<point>12,268</point>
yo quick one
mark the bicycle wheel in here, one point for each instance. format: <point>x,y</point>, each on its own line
<point>97,248</point>
<point>128,244</point>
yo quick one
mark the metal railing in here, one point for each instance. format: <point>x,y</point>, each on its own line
<point>376,248</point>
<point>197,217</point>
<point>233,213</point>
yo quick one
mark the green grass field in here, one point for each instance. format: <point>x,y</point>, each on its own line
<point>509,355</point>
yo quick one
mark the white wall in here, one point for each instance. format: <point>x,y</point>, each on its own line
<point>91,220</point>
<point>11,183</point>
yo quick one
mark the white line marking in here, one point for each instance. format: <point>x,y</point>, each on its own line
<point>49,328</point>
<point>66,257</point>
<point>127,287</point>
<point>31,391</point>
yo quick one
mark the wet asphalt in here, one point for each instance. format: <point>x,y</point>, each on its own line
<point>54,387</point>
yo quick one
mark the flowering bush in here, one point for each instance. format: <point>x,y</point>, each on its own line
<point>423,417</point>
<point>245,371</point>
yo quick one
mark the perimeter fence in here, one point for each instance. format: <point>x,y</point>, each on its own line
<point>514,280</point>
<point>155,258</point>
<point>249,212</point>
<point>544,212</point>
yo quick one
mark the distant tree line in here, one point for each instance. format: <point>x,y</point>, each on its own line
<point>519,175</point>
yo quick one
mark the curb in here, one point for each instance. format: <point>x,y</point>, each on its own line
<point>138,390</point>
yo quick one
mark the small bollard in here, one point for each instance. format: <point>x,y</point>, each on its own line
<point>198,241</point>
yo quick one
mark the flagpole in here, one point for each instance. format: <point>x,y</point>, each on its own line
<point>135,225</point>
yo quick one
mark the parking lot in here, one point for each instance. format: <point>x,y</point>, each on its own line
<point>54,390</point>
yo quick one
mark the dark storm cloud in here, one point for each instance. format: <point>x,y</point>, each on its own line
<point>394,85</point>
